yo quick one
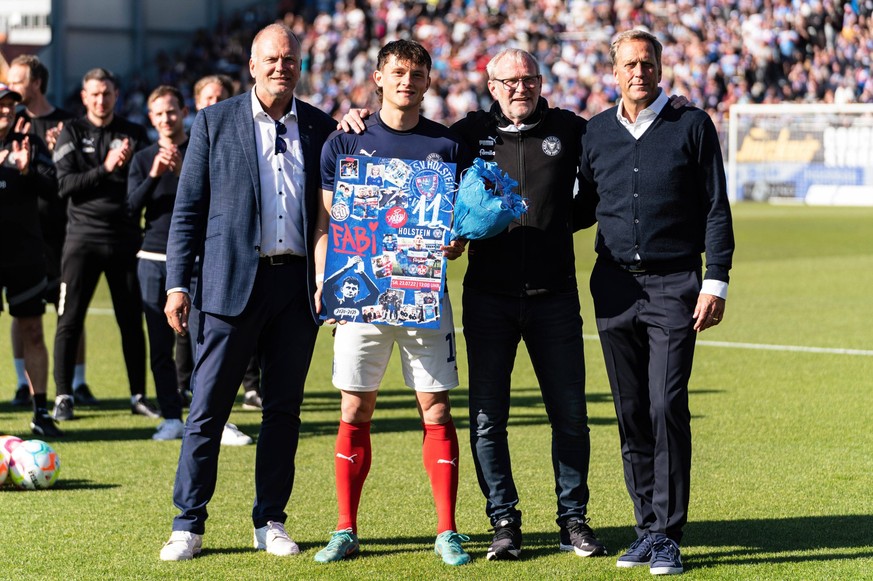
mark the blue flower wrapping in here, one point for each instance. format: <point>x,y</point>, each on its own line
<point>486,203</point>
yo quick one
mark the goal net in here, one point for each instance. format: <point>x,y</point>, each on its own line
<point>814,154</point>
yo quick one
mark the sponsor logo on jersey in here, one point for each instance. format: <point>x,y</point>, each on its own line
<point>433,157</point>
<point>367,153</point>
<point>551,146</point>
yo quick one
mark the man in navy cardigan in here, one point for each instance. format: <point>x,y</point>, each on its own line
<point>657,177</point>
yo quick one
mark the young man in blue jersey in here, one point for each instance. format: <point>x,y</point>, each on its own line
<point>362,350</point>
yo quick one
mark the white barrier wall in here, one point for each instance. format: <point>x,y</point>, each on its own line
<point>816,154</point>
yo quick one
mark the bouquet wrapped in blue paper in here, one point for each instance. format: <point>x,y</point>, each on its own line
<point>486,202</point>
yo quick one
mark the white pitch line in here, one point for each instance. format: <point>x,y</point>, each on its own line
<point>767,347</point>
<point>762,347</point>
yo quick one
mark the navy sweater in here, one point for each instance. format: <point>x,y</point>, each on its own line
<point>156,195</point>
<point>662,196</point>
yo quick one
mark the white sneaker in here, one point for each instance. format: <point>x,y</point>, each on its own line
<point>232,436</point>
<point>169,430</point>
<point>182,546</point>
<point>275,540</point>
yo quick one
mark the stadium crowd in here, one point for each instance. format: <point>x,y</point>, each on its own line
<point>717,53</point>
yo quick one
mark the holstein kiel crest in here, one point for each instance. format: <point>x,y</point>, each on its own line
<point>551,146</point>
<point>427,183</point>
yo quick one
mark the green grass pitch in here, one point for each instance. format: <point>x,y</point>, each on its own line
<point>781,399</point>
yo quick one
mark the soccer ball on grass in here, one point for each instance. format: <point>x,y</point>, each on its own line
<point>34,464</point>
<point>7,444</point>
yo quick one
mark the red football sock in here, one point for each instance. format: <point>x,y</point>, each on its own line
<point>440,454</point>
<point>351,464</point>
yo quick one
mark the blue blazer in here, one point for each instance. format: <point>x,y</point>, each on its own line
<point>217,210</point>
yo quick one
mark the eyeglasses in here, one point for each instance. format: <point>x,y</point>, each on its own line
<point>528,82</point>
<point>281,144</point>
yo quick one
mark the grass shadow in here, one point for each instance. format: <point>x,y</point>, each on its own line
<point>71,434</point>
<point>526,405</point>
<point>745,541</point>
<point>65,484</point>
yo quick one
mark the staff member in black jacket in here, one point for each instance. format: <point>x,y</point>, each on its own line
<point>657,176</point>
<point>91,157</point>
<point>28,77</point>
<point>26,174</point>
<point>521,284</point>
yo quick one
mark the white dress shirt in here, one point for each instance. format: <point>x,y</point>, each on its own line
<point>282,181</point>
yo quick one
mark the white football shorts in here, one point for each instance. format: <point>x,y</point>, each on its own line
<point>361,352</point>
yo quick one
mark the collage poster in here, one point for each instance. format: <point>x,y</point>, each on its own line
<point>388,220</point>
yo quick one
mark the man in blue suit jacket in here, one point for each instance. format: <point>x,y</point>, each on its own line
<point>247,204</point>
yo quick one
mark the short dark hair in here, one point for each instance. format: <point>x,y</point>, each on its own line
<point>404,51</point>
<point>37,69</point>
<point>351,280</point>
<point>163,91</point>
<point>100,74</point>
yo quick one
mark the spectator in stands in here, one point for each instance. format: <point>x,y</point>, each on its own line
<point>804,54</point>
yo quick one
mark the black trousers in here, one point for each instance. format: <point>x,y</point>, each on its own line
<point>81,266</point>
<point>551,328</point>
<point>646,332</point>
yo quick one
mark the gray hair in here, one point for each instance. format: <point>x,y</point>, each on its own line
<point>515,54</point>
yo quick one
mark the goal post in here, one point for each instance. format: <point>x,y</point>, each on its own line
<point>804,153</point>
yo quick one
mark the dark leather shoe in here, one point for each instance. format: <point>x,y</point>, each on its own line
<point>144,407</point>
<point>83,395</point>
